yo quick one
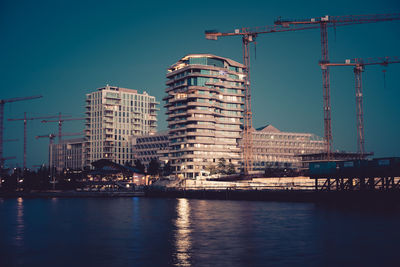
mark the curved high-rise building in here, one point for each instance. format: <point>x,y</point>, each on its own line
<point>205,104</point>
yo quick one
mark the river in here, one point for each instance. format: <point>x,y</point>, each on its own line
<point>188,232</point>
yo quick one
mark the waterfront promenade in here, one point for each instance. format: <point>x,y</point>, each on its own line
<point>286,189</point>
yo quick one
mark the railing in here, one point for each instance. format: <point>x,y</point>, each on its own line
<point>244,188</point>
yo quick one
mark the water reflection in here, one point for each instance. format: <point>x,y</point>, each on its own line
<point>20,227</point>
<point>183,242</point>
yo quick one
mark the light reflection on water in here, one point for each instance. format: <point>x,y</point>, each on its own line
<point>183,242</point>
<point>20,227</point>
<point>188,232</point>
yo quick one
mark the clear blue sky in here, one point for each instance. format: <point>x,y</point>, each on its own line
<point>65,49</point>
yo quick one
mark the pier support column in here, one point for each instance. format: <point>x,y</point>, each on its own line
<point>350,182</point>
<point>362,183</point>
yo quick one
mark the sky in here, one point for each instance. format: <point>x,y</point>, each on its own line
<point>66,49</point>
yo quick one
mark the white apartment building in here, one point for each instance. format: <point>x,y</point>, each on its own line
<point>113,116</point>
<point>205,105</point>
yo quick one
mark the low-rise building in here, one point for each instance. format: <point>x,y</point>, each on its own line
<point>151,146</point>
<point>67,154</point>
<point>274,148</point>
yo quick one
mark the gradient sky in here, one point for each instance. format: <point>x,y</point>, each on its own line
<point>65,49</point>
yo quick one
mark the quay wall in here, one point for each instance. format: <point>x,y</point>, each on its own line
<point>382,198</point>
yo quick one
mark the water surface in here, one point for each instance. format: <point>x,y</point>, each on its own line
<point>188,232</point>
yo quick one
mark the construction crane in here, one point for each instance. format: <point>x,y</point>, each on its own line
<point>51,141</point>
<point>25,119</point>
<point>249,35</point>
<point>359,65</point>
<point>52,136</point>
<point>8,158</point>
<point>60,122</point>
<point>324,23</point>
<point>2,103</point>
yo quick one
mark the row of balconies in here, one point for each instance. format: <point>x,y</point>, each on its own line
<point>177,117</point>
<point>206,149</point>
<point>216,97</point>
<point>197,156</point>
<point>200,104</point>
<point>208,112</point>
<point>204,140</point>
<point>212,123</point>
<point>153,108</point>
<point>201,67</point>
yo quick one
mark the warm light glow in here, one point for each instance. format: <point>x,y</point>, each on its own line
<point>20,229</point>
<point>183,240</point>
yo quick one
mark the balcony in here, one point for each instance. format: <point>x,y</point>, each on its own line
<point>108,126</point>
<point>109,114</point>
<point>107,120</point>
<point>154,108</point>
<point>108,145</point>
<point>200,126</point>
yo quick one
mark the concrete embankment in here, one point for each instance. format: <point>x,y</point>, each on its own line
<point>343,197</point>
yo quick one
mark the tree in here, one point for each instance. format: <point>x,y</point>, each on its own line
<point>128,163</point>
<point>167,170</point>
<point>139,166</point>
<point>212,169</point>
<point>230,169</point>
<point>154,167</point>
<point>222,165</point>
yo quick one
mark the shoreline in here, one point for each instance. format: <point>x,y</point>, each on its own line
<point>72,194</point>
<point>310,196</point>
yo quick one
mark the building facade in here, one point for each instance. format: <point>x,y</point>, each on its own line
<point>151,146</point>
<point>113,116</point>
<point>273,148</point>
<point>205,103</point>
<point>67,154</point>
